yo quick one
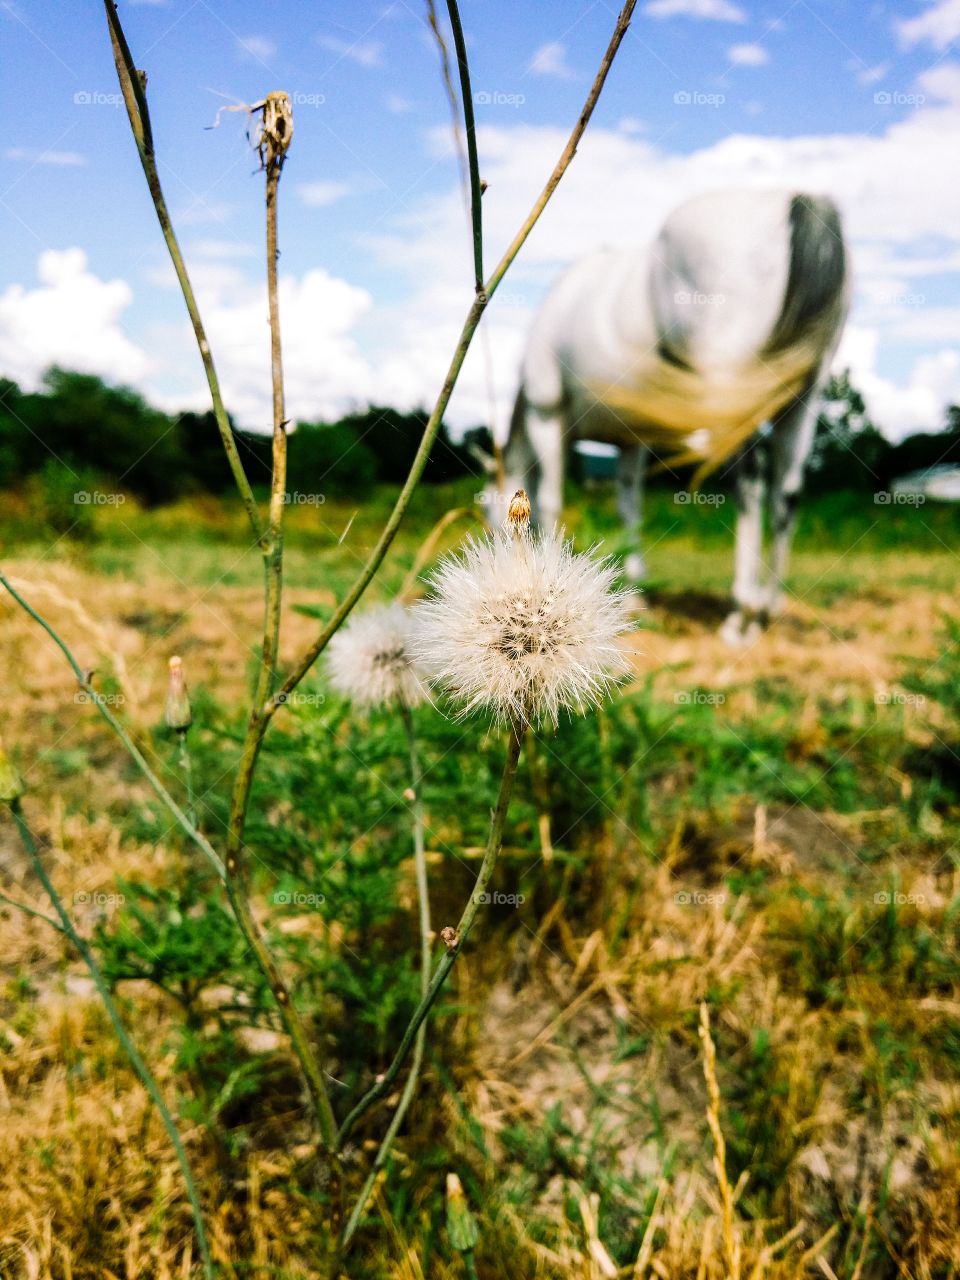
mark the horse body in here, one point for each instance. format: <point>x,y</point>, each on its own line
<point>726,322</point>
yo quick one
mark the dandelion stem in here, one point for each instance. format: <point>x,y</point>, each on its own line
<point>186,768</point>
<point>139,1065</point>
<point>447,961</point>
<point>423,902</point>
<point>136,755</point>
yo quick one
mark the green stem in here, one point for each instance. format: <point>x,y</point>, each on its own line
<point>133,87</point>
<point>30,911</point>
<point>470,128</point>
<point>423,901</point>
<point>100,702</point>
<point>186,768</point>
<point>470,326</point>
<point>447,961</point>
<point>136,1061</point>
<point>237,880</point>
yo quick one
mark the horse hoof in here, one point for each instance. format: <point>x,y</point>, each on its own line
<point>740,631</point>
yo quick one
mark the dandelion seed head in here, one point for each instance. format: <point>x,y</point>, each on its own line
<point>524,627</point>
<point>369,659</point>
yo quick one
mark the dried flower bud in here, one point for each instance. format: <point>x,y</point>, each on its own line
<point>450,938</point>
<point>11,784</point>
<point>461,1225</point>
<point>518,514</point>
<point>276,131</point>
<point>177,712</point>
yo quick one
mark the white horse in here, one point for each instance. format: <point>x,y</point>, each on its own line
<point>728,321</point>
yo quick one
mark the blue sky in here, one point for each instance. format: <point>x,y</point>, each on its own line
<point>861,101</point>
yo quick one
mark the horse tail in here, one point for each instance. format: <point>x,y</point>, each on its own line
<point>814,296</point>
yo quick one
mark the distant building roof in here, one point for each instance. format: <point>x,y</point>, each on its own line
<point>941,483</point>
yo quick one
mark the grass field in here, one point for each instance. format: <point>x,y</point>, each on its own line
<point>770,833</point>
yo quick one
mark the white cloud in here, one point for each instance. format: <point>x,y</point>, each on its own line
<point>259,48</point>
<point>715,10</point>
<point>551,60</point>
<point>365,53</point>
<point>748,55</point>
<point>319,194</point>
<point>938,25</point>
<point>323,367</point>
<point>73,318</point>
<point>942,82</point>
<point>918,404</point>
<point>62,159</point>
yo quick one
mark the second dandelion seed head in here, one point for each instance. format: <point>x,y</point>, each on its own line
<point>370,661</point>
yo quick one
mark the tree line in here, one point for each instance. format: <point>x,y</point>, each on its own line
<point>78,423</point>
<point>81,427</point>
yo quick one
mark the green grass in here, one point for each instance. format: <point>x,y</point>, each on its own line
<point>832,963</point>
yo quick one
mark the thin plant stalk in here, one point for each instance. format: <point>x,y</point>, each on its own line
<point>470,325</point>
<point>31,911</point>
<point>135,753</point>
<point>186,769</point>
<point>470,129</point>
<point>136,1061</point>
<point>423,904</point>
<point>277,131</point>
<point>133,88</point>
<point>455,946</point>
<point>540,784</point>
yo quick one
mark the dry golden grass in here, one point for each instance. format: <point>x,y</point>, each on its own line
<point>88,1185</point>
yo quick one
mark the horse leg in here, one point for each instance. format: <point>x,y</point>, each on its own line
<point>545,433</point>
<point>748,618</point>
<point>792,439</point>
<point>631,471</point>
<point>519,459</point>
